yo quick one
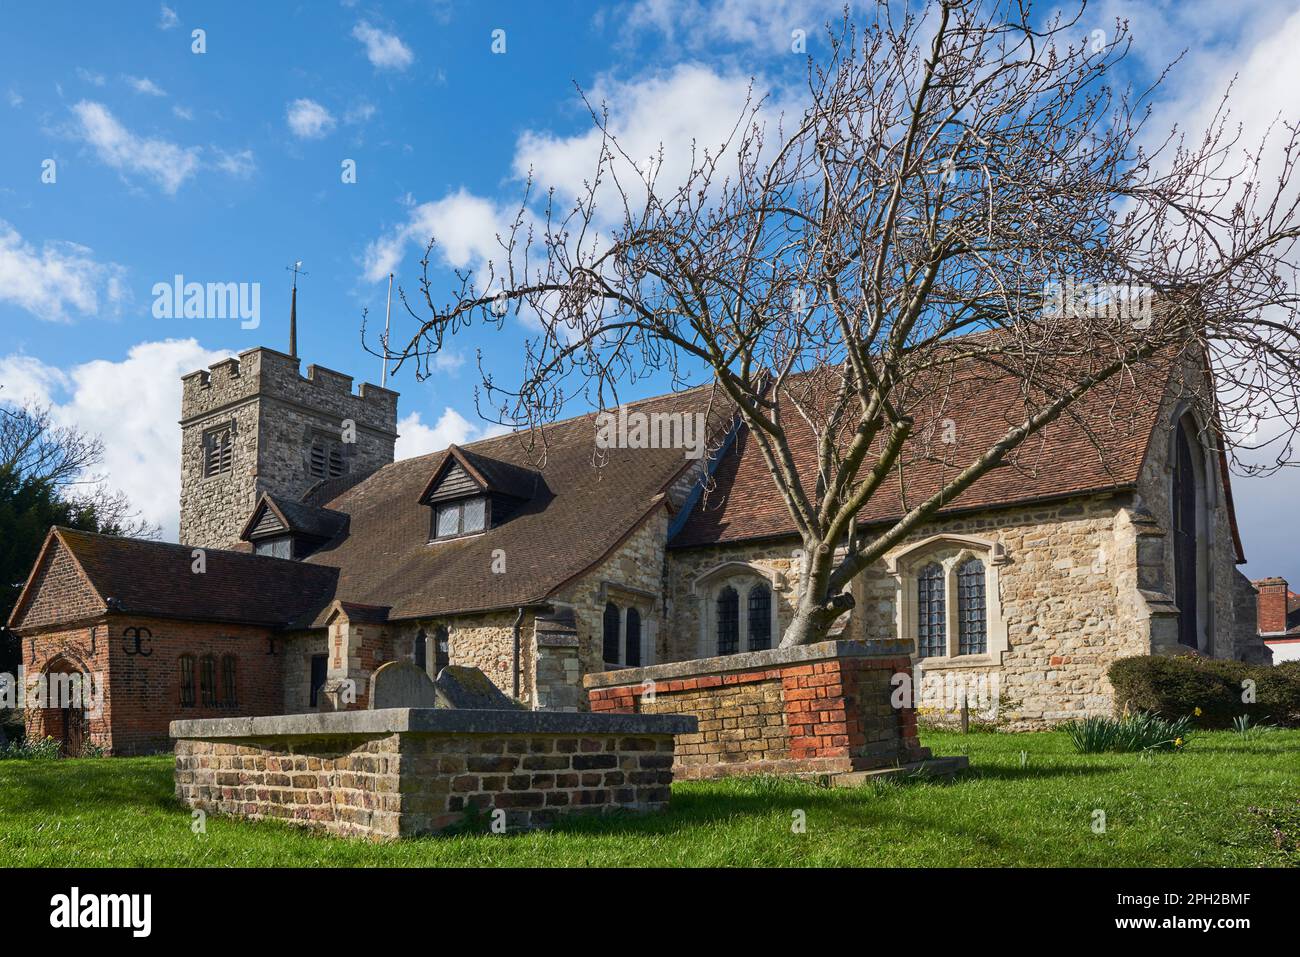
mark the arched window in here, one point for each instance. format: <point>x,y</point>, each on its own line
<point>419,652</point>
<point>611,629</point>
<point>441,649</point>
<point>728,621</point>
<point>633,644</point>
<point>972,609</point>
<point>187,681</point>
<point>930,626</point>
<point>760,617</point>
<point>208,681</point>
<point>228,698</point>
<point>1186,591</point>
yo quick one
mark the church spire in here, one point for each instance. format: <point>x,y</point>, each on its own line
<point>296,269</point>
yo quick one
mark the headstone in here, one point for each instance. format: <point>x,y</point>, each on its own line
<point>461,687</point>
<point>401,684</point>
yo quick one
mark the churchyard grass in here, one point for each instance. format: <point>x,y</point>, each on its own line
<point>1028,799</point>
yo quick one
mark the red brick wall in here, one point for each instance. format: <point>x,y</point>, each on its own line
<point>58,593</point>
<point>74,649</point>
<point>143,690</point>
<point>827,716</point>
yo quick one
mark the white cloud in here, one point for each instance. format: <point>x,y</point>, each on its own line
<point>309,120</point>
<point>164,162</point>
<point>14,97</point>
<point>416,438</point>
<point>464,225</point>
<point>239,164</point>
<point>360,113</point>
<point>141,438</point>
<point>94,79</point>
<point>167,18</point>
<point>58,279</point>
<point>182,112</point>
<point>765,25</point>
<point>144,86</point>
<point>386,51</point>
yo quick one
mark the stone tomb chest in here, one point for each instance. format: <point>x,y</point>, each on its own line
<point>401,772</point>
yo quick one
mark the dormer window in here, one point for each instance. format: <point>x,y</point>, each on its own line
<point>280,528</point>
<point>469,493</point>
<point>465,517</point>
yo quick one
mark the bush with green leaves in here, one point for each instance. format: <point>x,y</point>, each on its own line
<point>1211,690</point>
<point>1129,733</point>
<point>20,750</point>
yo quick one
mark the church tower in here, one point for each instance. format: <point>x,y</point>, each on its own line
<point>254,424</point>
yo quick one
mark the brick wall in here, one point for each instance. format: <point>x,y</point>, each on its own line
<point>823,708</point>
<point>390,783</point>
<point>143,691</point>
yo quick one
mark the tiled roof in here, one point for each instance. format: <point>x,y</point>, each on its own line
<point>1099,447</point>
<point>298,517</point>
<point>157,578</point>
<point>576,514</point>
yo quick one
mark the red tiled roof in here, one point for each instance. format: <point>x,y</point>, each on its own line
<point>1099,447</point>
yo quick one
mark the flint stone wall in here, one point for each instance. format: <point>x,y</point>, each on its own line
<point>404,772</point>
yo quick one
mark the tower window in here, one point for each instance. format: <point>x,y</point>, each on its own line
<point>218,451</point>
<point>326,458</point>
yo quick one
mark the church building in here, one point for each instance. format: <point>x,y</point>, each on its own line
<point>308,557</point>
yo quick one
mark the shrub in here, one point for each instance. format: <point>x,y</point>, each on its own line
<point>47,748</point>
<point>1132,732</point>
<point>1208,689</point>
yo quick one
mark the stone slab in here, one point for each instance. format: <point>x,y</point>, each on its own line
<point>751,661</point>
<point>433,721</point>
<point>468,688</point>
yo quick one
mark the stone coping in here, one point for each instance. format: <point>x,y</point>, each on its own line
<point>432,721</point>
<point>750,661</point>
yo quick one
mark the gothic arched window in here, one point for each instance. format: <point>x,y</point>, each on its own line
<point>728,621</point>
<point>208,681</point>
<point>760,617</point>
<point>1186,574</point>
<point>420,653</point>
<point>972,608</point>
<point>611,636</point>
<point>931,630</point>
<point>228,698</point>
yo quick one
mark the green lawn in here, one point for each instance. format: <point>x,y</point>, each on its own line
<point>1223,801</point>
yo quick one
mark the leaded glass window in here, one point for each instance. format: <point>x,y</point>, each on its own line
<point>611,624</point>
<point>208,681</point>
<point>475,510</point>
<point>633,657</point>
<point>972,617</point>
<point>187,681</point>
<point>760,617</point>
<point>931,633</point>
<point>728,621</point>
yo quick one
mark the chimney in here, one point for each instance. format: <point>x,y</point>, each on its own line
<point>1272,605</point>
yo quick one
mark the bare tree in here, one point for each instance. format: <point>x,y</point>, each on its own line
<point>848,272</point>
<point>34,450</point>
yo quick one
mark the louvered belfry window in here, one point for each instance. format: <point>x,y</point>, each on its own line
<point>326,458</point>
<point>728,621</point>
<point>972,617</point>
<point>218,451</point>
<point>930,625</point>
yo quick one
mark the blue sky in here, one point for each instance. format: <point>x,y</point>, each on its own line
<point>226,166</point>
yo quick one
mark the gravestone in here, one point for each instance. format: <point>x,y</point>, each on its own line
<point>468,688</point>
<point>401,684</point>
